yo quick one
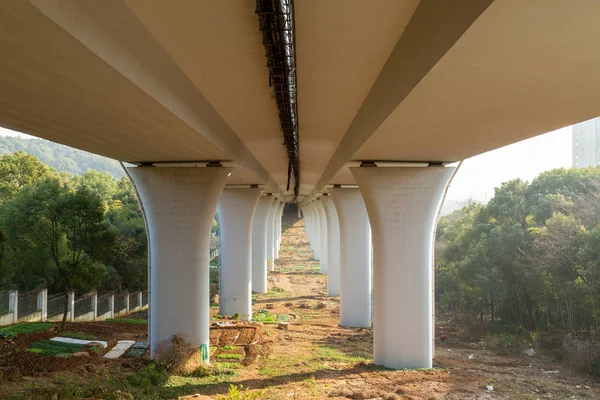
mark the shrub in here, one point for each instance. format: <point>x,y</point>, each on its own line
<point>583,352</point>
<point>150,375</point>
<point>505,344</point>
<point>240,393</point>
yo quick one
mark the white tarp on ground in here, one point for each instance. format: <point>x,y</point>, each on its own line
<point>79,341</point>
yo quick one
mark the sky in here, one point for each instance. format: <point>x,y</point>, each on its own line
<point>479,175</point>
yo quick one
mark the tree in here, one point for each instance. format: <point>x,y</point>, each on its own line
<point>17,170</point>
<point>67,225</point>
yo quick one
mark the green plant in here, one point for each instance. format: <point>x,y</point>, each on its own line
<point>78,335</point>
<point>27,327</point>
<point>229,356</point>
<point>128,321</point>
<point>52,348</point>
<point>505,344</point>
<point>240,393</point>
<point>7,335</point>
<point>228,347</point>
<point>150,375</point>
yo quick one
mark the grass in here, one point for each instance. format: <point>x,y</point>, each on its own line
<point>330,353</point>
<point>229,348</point>
<point>27,327</point>
<point>52,348</point>
<point>284,318</point>
<point>78,335</point>
<point>128,321</point>
<point>228,356</point>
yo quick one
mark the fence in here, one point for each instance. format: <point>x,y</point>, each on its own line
<point>4,300</point>
<point>56,305</point>
<point>38,306</point>
<point>28,303</point>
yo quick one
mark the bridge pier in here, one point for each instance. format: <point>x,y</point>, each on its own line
<point>333,247</point>
<point>278,225</point>
<point>236,211</point>
<point>259,244</point>
<point>355,258</point>
<point>403,204</point>
<point>271,235</point>
<point>179,206</point>
<point>315,229</point>
<point>323,245</point>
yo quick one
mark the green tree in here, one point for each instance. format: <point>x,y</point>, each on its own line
<point>67,225</point>
<point>17,170</point>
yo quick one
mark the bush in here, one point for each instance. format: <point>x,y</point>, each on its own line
<point>505,344</point>
<point>240,393</point>
<point>150,375</point>
<point>583,352</point>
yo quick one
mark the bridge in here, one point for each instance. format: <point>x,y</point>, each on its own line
<point>352,109</point>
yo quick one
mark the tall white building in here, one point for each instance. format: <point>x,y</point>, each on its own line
<point>586,143</point>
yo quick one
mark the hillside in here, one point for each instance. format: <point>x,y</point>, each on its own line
<point>60,157</point>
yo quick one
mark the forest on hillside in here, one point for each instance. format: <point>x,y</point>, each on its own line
<point>526,266</point>
<point>61,158</point>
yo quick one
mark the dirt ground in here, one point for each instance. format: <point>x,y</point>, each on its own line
<point>312,357</point>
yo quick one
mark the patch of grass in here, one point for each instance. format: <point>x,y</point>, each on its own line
<point>223,369</point>
<point>259,317</point>
<point>228,347</point>
<point>130,321</point>
<point>27,327</point>
<point>78,335</point>
<point>228,356</point>
<point>330,353</point>
<point>284,318</point>
<point>270,318</point>
<point>240,393</point>
<point>52,348</point>
<point>150,375</point>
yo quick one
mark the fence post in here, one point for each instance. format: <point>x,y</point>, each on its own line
<point>111,304</point>
<point>127,303</point>
<point>13,304</point>
<point>139,296</point>
<point>42,304</point>
<point>71,306</point>
<point>94,301</point>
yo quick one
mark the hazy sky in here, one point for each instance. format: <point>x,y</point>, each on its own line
<point>479,175</point>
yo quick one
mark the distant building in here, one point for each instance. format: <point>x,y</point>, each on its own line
<point>586,144</point>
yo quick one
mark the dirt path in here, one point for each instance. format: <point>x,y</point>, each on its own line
<point>318,359</point>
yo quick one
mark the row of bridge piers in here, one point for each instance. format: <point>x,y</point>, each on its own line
<point>374,241</point>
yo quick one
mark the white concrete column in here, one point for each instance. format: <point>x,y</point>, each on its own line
<point>322,235</point>
<point>259,244</point>
<point>279,225</point>
<point>179,205</point>
<point>13,304</point>
<point>42,304</point>
<point>355,258</point>
<point>315,230</point>
<point>271,235</point>
<point>111,305</point>
<point>333,247</point>
<point>127,302</point>
<point>236,211</point>
<point>71,308</point>
<point>94,300</point>
<point>403,205</point>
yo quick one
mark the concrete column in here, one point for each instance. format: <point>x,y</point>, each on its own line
<point>271,235</point>
<point>179,205</point>
<point>315,229</point>
<point>127,308</point>
<point>403,205</point>
<point>279,225</point>
<point>259,244</point>
<point>71,310</point>
<point>94,300</point>
<point>111,305</point>
<point>13,304</point>
<point>355,258</point>
<point>333,247</point>
<point>42,304</point>
<point>322,235</point>
<point>139,298</point>
<point>236,211</point>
